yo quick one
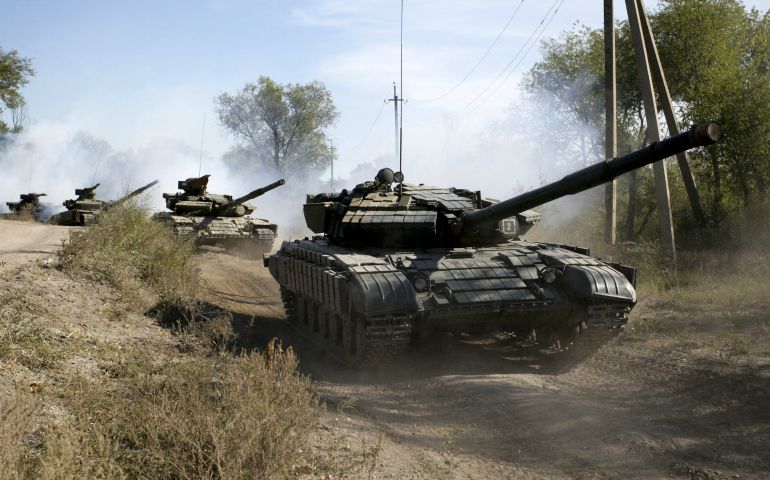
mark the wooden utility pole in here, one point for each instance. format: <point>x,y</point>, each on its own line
<point>668,110</point>
<point>610,120</point>
<point>395,101</point>
<point>331,147</point>
<point>651,113</point>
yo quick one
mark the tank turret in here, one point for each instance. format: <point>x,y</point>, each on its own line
<point>236,208</point>
<point>395,265</point>
<point>377,214</point>
<point>28,203</point>
<point>216,218</point>
<point>84,209</point>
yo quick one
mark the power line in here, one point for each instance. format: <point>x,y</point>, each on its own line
<point>516,56</point>
<point>483,57</point>
<point>545,27</point>
<point>371,127</point>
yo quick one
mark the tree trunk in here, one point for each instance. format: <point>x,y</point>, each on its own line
<point>716,200</point>
<point>633,194</point>
<point>276,150</point>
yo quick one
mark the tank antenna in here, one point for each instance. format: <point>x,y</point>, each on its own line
<point>401,119</point>
<point>200,158</point>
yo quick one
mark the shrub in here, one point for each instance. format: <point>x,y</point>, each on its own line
<point>137,255</point>
<point>205,417</point>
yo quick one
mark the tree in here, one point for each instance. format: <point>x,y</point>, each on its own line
<point>716,55</point>
<point>14,74</point>
<point>280,125</point>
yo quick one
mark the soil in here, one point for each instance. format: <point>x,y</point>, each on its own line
<point>684,395</point>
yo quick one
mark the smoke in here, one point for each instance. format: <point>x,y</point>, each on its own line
<point>526,147</point>
<point>56,158</point>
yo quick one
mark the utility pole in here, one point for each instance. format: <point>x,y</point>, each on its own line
<point>331,143</point>
<point>668,110</point>
<point>610,120</point>
<point>662,195</point>
<point>395,101</point>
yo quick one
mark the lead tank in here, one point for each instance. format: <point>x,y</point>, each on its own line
<point>84,209</point>
<point>28,205</point>
<point>393,264</point>
<point>214,219</point>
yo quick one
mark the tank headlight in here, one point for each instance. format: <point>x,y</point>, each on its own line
<point>420,284</point>
<point>549,275</point>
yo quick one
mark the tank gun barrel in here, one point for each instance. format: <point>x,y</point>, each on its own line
<point>136,192</point>
<point>597,174</point>
<point>251,195</point>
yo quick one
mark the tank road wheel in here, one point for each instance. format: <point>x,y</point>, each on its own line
<point>289,299</point>
<point>594,328</point>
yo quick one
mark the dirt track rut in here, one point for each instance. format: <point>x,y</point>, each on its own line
<point>639,409</point>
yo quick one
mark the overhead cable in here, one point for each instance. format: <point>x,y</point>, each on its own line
<point>483,57</point>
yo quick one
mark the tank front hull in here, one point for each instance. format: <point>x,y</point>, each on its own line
<point>75,217</point>
<point>226,231</point>
<point>391,297</point>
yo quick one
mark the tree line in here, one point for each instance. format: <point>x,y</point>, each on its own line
<point>716,56</point>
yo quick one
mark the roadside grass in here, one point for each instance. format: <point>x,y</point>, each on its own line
<point>196,417</point>
<point>141,258</point>
<point>25,215</point>
<point>142,409</point>
<point>22,340</point>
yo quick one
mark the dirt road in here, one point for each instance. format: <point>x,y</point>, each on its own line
<point>21,242</point>
<point>666,403</point>
<point>684,396</point>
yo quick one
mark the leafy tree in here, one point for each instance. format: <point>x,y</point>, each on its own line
<point>281,126</point>
<point>14,74</point>
<point>716,55</point>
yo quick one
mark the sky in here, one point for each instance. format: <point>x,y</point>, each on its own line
<point>141,73</point>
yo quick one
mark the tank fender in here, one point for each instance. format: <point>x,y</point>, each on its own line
<point>381,293</point>
<point>597,281</point>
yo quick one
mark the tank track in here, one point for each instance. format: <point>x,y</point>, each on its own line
<point>360,342</point>
<point>595,327</point>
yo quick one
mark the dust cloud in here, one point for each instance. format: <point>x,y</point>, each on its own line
<point>501,158</point>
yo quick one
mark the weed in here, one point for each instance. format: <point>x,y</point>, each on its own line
<point>739,347</point>
<point>347,404</point>
<point>447,447</point>
<point>134,254</point>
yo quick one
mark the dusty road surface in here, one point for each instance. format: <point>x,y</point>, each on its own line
<point>22,241</point>
<point>685,395</point>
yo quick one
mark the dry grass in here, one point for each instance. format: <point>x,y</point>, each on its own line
<point>22,341</point>
<point>25,215</point>
<point>140,409</point>
<point>198,418</point>
<point>726,278</point>
<point>138,256</point>
<point>56,450</point>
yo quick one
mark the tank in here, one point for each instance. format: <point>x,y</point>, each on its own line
<point>214,219</point>
<point>28,204</point>
<point>397,264</point>
<point>84,209</point>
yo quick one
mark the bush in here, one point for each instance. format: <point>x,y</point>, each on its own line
<point>196,418</point>
<point>135,254</point>
<point>205,417</point>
